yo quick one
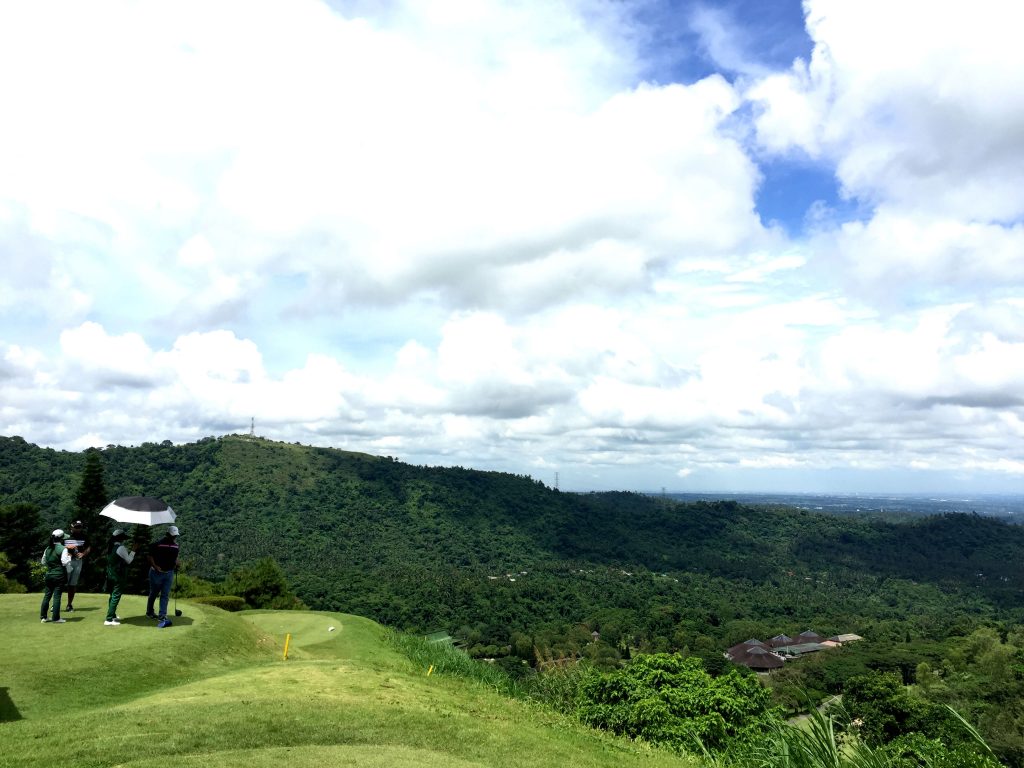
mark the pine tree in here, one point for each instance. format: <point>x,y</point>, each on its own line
<point>90,499</point>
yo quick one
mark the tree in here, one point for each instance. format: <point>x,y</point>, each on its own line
<point>262,585</point>
<point>21,539</point>
<point>887,710</point>
<point>668,700</point>
<point>90,499</point>
<point>7,584</point>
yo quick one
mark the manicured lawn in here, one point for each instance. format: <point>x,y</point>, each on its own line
<point>213,690</point>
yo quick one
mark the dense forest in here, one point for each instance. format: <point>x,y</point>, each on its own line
<point>529,575</point>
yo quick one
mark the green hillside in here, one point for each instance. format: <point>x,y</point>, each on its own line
<point>506,563</point>
<point>213,690</point>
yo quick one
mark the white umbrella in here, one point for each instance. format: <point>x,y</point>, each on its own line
<point>141,510</point>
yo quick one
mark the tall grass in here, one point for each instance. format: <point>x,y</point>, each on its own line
<point>558,686</point>
<point>816,745</point>
<point>446,659</point>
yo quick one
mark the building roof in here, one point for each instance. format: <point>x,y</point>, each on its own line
<point>759,658</point>
<point>845,638</point>
<point>799,649</point>
<point>809,636</point>
<point>743,647</point>
<point>780,640</point>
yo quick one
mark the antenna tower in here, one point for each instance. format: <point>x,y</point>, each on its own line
<point>252,427</point>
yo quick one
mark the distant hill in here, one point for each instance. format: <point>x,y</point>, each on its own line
<point>496,554</point>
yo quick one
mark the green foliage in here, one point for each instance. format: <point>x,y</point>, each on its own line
<point>442,658</point>
<point>671,701</point>
<point>188,586</point>
<point>225,602</point>
<point>22,539</point>
<point>558,685</point>
<point>915,750</point>
<point>89,500</point>
<point>521,571</point>
<point>832,740</point>
<point>982,676</point>
<point>818,743</point>
<point>8,585</point>
<point>886,709</point>
<point>262,585</point>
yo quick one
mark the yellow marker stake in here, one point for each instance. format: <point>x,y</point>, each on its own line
<point>430,670</point>
<point>287,639</point>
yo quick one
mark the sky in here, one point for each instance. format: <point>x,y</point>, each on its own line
<point>744,245</point>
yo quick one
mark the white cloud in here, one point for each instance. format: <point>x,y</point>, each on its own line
<point>468,234</point>
<point>918,104</point>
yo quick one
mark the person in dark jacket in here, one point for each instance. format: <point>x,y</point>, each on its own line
<point>78,545</point>
<point>55,558</point>
<point>163,562</point>
<point>119,557</point>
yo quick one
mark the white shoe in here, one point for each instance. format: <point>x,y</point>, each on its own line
<point>114,623</point>
<point>58,621</point>
<point>44,620</point>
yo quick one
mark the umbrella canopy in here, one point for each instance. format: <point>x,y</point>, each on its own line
<point>141,510</point>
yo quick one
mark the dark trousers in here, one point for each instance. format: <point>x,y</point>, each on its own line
<point>116,587</point>
<point>54,589</point>
<point>159,585</point>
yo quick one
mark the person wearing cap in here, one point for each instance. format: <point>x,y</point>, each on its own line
<point>78,547</point>
<point>55,558</point>
<point>163,562</point>
<point>118,559</point>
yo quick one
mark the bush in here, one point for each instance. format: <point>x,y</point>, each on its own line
<point>226,602</point>
<point>671,701</point>
<point>262,585</point>
<point>7,584</point>
<point>188,586</point>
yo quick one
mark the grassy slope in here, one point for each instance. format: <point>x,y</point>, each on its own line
<point>213,690</point>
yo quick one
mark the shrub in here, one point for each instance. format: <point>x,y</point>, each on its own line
<point>667,700</point>
<point>226,602</point>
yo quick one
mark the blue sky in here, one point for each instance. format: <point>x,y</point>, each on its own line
<point>721,246</point>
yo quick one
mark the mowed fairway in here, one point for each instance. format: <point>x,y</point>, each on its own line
<point>213,690</point>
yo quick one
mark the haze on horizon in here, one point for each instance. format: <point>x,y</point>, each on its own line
<point>739,245</point>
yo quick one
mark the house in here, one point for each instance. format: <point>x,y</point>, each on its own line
<point>764,657</point>
<point>755,655</point>
<point>800,649</point>
<point>840,639</point>
<point>758,659</point>
<point>742,648</point>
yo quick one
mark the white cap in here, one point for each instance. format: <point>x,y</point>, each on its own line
<point>58,534</point>
<point>173,530</point>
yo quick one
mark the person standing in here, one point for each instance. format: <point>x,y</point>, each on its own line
<point>163,562</point>
<point>78,548</point>
<point>55,558</point>
<point>118,559</point>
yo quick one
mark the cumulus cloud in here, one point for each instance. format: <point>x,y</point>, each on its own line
<point>917,105</point>
<point>474,234</point>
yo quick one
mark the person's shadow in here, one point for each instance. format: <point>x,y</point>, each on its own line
<point>142,621</point>
<point>8,712</point>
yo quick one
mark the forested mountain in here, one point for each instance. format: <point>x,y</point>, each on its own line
<point>503,560</point>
